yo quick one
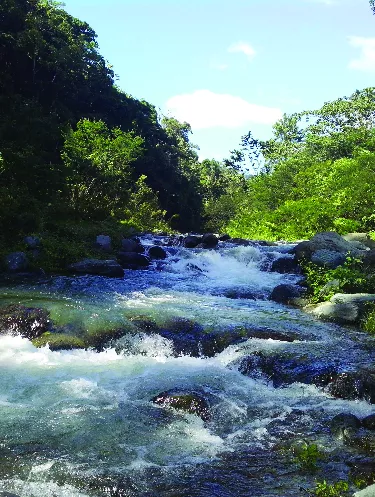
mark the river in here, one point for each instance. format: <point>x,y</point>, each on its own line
<point>82,423</point>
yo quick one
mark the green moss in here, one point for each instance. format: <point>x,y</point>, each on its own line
<point>59,341</point>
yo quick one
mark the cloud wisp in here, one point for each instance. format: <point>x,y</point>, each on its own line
<point>366,60</point>
<point>206,109</point>
<point>242,47</point>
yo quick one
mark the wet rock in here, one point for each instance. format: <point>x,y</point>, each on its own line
<point>369,422</point>
<point>284,369</point>
<point>209,240</point>
<point>98,267</point>
<point>239,294</point>
<point>16,262</point>
<point>369,259</point>
<point>284,292</point>
<point>192,241</point>
<point>224,238</point>
<point>104,243</point>
<point>354,385</point>
<point>30,322</point>
<point>189,402</point>
<point>132,245</point>
<point>285,265</point>
<point>157,252</point>
<point>7,494</point>
<point>344,426</point>
<point>133,260</point>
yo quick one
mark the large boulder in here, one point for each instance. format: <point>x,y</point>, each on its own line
<point>186,401</point>
<point>329,242</point>
<point>133,260</point>
<point>343,308</point>
<point>97,267</point>
<point>30,322</point>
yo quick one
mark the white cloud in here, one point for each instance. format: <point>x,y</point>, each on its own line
<point>366,60</point>
<point>205,109</point>
<point>244,48</point>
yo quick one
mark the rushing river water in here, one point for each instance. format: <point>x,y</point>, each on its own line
<point>82,423</point>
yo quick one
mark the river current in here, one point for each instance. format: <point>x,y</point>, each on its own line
<point>81,423</point>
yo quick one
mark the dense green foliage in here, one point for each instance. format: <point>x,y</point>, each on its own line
<point>74,148</point>
<point>315,174</point>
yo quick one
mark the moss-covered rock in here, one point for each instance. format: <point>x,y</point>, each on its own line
<point>59,341</point>
<point>189,402</point>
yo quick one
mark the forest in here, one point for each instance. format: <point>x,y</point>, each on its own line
<point>79,156</point>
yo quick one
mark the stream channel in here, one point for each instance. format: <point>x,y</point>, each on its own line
<point>82,423</point>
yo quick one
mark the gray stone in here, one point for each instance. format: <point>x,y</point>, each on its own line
<point>97,267</point>
<point>329,241</point>
<point>328,258</point>
<point>342,313</point>
<point>366,492</point>
<point>16,262</point>
<point>362,238</point>
<point>343,307</point>
<point>104,242</point>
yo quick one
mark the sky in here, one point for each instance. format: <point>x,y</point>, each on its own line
<point>232,66</point>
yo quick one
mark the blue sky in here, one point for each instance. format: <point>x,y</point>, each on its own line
<point>230,66</point>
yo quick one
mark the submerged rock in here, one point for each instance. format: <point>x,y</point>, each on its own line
<point>29,322</point>
<point>98,267</point>
<point>284,369</point>
<point>189,402</point>
<point>345,426</point>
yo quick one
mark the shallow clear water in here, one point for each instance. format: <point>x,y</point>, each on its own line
<point>82,423</point>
